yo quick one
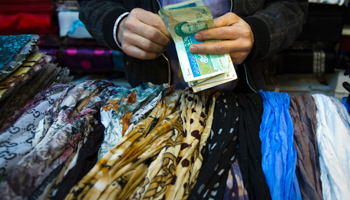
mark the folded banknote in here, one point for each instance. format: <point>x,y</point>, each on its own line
<point>200,71</point>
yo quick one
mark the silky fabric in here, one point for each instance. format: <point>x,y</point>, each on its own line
<point>120,107</point>
<point>131,156</point>
<point>79,100</point>
<point>55,138</point>
<point>142,112</point>
<point>333,139</point>
<point>235,189</point>
<point>14,50</point>
<point>26,22</point>
<point>87,59</point>
<point>16,140</point>
<point>41,96</point>
<point>87,158</point>
<point>162,172</point>
<point>33,168</point>
<point>55,174</point>
<point>220,150</point>
<point>39,80</point>
<point>249,155</point>
<point>174,172</point>
<point>303,112</point>
<point>277,147</point>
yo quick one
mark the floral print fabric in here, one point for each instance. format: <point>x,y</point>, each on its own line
<point>116,114</point>
<point>174,144</point>
<point>16,140</point>
<point>55,139</point>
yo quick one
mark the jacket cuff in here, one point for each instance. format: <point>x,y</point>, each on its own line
<point>108,28</point>
<point>261,38</point>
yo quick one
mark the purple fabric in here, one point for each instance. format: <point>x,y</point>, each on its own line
<point>218,7</point>
<point>86,59</point>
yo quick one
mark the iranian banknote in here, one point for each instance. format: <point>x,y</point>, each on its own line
<point>183,20</point>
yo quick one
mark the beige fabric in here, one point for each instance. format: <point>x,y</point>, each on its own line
<point>160,158</point>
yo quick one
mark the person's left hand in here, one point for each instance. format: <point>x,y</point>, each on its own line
<point>236,35</point>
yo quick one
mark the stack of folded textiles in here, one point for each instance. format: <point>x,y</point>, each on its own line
<point>96,140</point>
<point>24,71</point>
<point>27,16</point>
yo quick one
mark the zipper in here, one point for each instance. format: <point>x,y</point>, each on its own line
<point>167,60</point>
<point>244,66</point>
<point>159,4</point>
<point>169,68</point>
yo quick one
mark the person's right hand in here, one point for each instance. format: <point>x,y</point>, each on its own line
<point>143,34</point>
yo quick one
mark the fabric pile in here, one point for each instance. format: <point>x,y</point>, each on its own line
<point>96,140</point>
<point>74,47</point>
<point>24,72</point>
<point>27,17</point>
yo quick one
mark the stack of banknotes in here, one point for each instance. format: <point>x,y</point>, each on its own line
<point>200,71</point>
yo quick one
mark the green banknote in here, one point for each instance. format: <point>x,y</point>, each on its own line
<point>185,4</point>
<point>183,20</point>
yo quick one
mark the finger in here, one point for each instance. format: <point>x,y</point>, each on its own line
<point>238,57</point>
<point>226,20</point>
<point>153,20</point>
<point>221,33</point>
<point>143,43</point>
<point>157,22</point>
<point>220,47</point>
<point>136,52</point>
<point>146,31</point>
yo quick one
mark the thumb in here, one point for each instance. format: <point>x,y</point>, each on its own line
<point>226,20</point>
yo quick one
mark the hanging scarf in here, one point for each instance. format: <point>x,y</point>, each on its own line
<point>124,166</point>
<point>303,112</point>
<point>249,153</point>
<point>116,114</point>
<point>235,189</point>
<point>179,163</point>
<point>221,149</point>
<point>333,139</point>
<point>277,147</point>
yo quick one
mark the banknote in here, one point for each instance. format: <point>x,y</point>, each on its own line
<point>184,4</point>
<point>183,20</point>
<point>215,81</point>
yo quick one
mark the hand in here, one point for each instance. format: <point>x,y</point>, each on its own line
<point>236,35</point>
<point>143,34</point>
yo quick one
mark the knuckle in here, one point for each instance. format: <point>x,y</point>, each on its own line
<point>136,11</point>
<point>230,14</point>
<point>157,22</point>
<point>150,34</point>
<point>126,37</point>
<point>219,48</point>
<point>128,24</point>
<point>148,45</point>
<point>126,49</point>
<point>245,33</point>
<point>221,33</point>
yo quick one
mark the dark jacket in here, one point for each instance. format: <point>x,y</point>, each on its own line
<point>275,24</point>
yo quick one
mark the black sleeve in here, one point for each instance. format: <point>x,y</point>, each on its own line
<point>276,26</point>
<point>99,17</point>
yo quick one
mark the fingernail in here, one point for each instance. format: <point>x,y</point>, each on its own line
<point>193,49</point>
<point>198,36</point>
